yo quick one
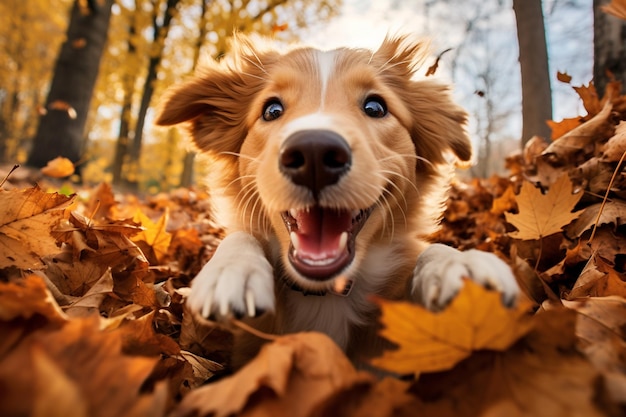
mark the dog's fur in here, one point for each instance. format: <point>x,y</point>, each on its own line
<point>245,111</point>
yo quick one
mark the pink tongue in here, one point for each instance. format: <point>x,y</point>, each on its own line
<point>319,232</point>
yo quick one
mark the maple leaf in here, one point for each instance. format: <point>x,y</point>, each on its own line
<point>475,320</point>
<point>26,298</point>
<point>154,234</point>
<point>541,215</point>
<point>26,221</point>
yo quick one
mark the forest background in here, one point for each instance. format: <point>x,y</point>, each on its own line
<point>105,128</point>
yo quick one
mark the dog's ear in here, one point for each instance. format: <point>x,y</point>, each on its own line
<point>215,102</point>
<point>436,123</point>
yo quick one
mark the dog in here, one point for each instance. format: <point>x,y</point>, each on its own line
<point>329,169</point>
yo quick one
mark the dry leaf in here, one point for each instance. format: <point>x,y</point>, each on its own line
<point>290,377</point>
<point>81,357</point>
<point>27,298</point>
<point>541,375</point>
<point>58,168</point>
<point>428,342</point>
<point>578,139</point>
<point>613,212</point>
<point>616,146</point>
<point>563,77</point>
<point>564,126</point>
<point>541,215</point>
<point>26,221</point>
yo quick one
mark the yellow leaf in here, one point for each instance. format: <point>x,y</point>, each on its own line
<point>541,215</point>
<point>154,234</point>
<point>58,168</point>
<point>429,342</point>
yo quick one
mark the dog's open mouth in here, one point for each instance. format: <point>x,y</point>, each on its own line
<point>323,239</point>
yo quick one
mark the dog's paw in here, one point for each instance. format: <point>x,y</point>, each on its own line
<point>439,273</point>
<point>237,280</point>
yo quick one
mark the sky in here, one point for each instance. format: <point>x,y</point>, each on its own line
<point>493,46</point>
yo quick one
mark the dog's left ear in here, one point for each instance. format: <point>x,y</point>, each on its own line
<point>436,124</point>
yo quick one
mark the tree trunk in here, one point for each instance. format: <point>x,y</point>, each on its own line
<point>609,47</point>
<point>160,34</point>
<point>533,58</point>
<point>61,129</point>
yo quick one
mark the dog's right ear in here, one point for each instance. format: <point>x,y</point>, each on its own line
<point>215,102</point>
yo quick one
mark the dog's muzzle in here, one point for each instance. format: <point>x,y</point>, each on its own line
<point>322,239</point>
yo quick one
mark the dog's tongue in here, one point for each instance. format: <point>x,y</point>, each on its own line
<point>319,233</point>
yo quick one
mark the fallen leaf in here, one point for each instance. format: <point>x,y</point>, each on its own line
<point>563,77</point>
<point>81,357</point>
<point>289,377</point>
<point>541,215</point>
<point>578,139</point>
<point>564,126</point>
<point>59,167</point>
<point>27,214</point>
<point>613,212</point>
<point>428,342</point>
<point>27,298</point>
<point>616,146</point>
<point>154,234</point>
<point>541,375</point>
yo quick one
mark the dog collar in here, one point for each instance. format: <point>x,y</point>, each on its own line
<point>341,288</point>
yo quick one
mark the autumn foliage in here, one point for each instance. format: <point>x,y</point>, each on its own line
<point>93,323</point>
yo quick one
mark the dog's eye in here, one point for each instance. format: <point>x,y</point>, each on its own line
<point>375,107</point>
<point>272,110</point>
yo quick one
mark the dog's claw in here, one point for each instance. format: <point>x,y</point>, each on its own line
<point>250,307</point>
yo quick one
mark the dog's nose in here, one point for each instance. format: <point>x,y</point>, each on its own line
<point>315,158</point>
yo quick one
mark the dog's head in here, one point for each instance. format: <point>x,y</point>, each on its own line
<point>323,146</point>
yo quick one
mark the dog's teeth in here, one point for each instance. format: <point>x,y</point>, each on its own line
<point>343,241</point>
<point>294,240</point>
<point>293,213</point>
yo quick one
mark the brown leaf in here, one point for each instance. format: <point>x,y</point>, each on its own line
<point>616,146</point>
<point>613,212</point>
<point>26,298</point>
<point>289,377</point>
<point>81,357</point>
<point>564,126</point>
<point>26,221</point>
<point>541,215</point>
<point>563,77</point>
<point>475,320</point>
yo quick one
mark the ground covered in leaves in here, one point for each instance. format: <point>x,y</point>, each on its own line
<point>93,323</point>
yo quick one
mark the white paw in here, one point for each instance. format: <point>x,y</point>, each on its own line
<point>440,269</point>
<point>237,280</point>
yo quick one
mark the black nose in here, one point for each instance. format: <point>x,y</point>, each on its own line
<point>315,159</point>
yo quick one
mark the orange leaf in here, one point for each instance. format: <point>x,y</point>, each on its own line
<point>541,215</point>
<point>27,298</point>
<point>59,167</point>
<point>561,128</point>
<point>563,77</point>
<point>475,320</point>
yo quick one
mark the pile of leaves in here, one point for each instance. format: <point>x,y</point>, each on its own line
<point>93,321</point>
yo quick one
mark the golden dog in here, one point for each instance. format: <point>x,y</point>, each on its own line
<point>329,167</point>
